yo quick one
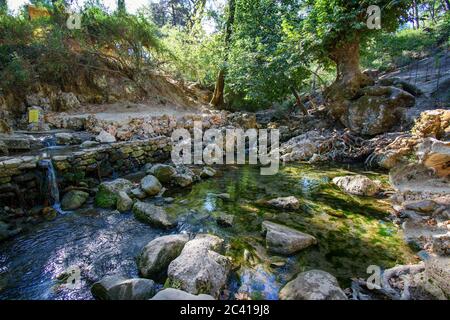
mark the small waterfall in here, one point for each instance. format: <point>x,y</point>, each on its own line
<point>51,183</point>
<point>49,141</point>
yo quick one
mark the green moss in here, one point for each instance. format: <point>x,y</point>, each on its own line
<point>173,283</point>
<point>74,177</point>
<point>353,232</point>
<point>105,199</point>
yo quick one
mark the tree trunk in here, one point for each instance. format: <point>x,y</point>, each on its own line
<point>432,6</point>
<point>349,78</point>
<point>416,14</point>
<point>121,6</point>
<point>197,15</point>
<point>217,99</point>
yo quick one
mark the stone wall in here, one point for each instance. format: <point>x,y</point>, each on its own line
<point>140,127</point>
<point>22,178</point>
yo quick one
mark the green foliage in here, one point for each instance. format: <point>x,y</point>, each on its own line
<point>194,56</point>
<point>274,45</point>
<point>264,62</point>
<point>391,50</point>
<point>105,199</point>
<point>45,49</point>
<point>329,23</point>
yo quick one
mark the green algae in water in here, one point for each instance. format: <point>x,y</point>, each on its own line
<point>353,232</point>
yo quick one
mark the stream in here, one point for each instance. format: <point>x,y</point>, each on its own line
<point>353,233</point>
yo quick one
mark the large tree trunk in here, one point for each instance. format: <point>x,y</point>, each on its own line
<point>217,99</point>
<point>121,8</point>
<point>416,14</point>
<point>349,78</point>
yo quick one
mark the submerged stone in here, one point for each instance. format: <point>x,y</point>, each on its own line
<point>286,203</point>
<point>152,215</point>
<point>357,185</point>
<point>284,240</point>
<point>74,200</point>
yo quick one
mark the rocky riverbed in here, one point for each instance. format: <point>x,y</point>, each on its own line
<point>123,223</point>
<point>348,233</point>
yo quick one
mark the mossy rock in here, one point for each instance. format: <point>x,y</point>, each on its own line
<point>105,199</point>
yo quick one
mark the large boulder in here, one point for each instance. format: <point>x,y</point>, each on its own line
<point>200,268</point>
<point>357,185</point>
<point>313,285</point>
<point>152,215</point>
<point>163,172</point>
<point>107,194</point>
<point>159,253</point>
<point>74,200</point>
<point>433,124</point>
<point>175,294</point>
<point>378,110</point>
<point>286,203</point>
<point>151,185</point>
<point>435,154</point>
<point>120,288</point>
<point>284,240</point>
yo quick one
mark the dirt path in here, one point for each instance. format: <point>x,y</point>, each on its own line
<point>124,111</point>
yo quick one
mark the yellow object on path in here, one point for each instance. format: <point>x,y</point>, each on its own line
<point>33,116</point>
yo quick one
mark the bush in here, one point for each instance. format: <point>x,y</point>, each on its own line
<point>403,47</point>
<point>194,56</point>
<point>46,50</point>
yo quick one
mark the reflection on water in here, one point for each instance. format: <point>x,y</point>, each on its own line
<point>352,232</point>
<point>99,245</point>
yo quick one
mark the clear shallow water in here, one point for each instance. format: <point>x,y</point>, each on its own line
<point>352,232</point>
